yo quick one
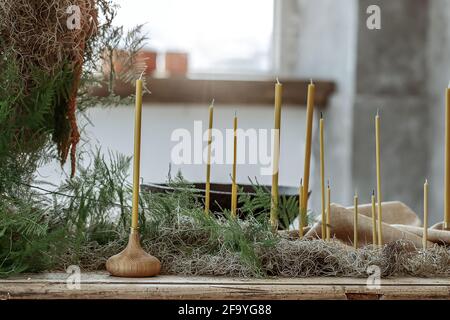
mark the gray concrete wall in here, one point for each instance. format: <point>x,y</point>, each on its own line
<point>438,64</point>
<point>325,31</point>
<point>392,77</point>
<point>400,70</point>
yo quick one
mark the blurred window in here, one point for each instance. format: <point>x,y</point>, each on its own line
<point>220,36</point>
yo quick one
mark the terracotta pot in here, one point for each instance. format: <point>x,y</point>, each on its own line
<point>146,57</point>
<point>149,58</point>
<point>177,63</point>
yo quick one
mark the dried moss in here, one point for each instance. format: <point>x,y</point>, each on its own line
<point>184,249</point>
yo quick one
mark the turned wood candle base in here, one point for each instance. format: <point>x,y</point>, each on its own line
<point>133,261</point>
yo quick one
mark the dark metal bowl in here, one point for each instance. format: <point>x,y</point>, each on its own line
<point>220,193</point>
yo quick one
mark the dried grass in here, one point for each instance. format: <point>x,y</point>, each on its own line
<point>37,31</point>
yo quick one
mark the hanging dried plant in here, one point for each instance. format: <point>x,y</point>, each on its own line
<point>69,36</point>
<point>51,35</point>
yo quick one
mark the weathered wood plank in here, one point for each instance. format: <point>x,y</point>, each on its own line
<point>100,277</point>
<point>102,286</point>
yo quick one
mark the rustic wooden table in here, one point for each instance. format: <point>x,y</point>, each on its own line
<point>103,286</point>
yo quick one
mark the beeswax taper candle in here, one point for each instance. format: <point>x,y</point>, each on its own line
<point>328,211</point>
<point>447,160</point>
<point>374,220</point>
<point>276,155</point>
<point>208,159</point>
<point>322,177</point>
<point>425,215</point>
<point>309,124</point>
<point>378,168</point>
<point>233,176</point>
<point>300,218</point>
<point>137,155</point>
<point>133,261</point>
<point>355,221</point>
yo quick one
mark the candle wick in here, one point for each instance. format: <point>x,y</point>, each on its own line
<point>373,192</point>
<point>235,113</point>
<point>142,73</point>
<point>310,81</point>
<point>378,112</point>
<point>212,102</point>
<point>321,115</point>
<point>328,183</point>
<point>301,181</point>
<point>448,85</point>
<point>278,82</point>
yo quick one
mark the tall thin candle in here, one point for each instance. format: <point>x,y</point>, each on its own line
<point>137,155</point>
<point>328,211</point>
<point>208,160</point>
<point>355,221</point>
<point>425,215</point>
<point>377,151</point>
<point>276,156</point>
<point>133,261</point>
<point>322,176</point>
<point>374,220</point>
<point>447,160</point>
<point>300,220</point>
<point>309,124</point>
<point>233,177</point>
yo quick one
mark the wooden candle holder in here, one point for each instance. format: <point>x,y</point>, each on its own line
<point>133,261</point>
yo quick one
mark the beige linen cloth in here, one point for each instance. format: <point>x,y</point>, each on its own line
<point>398,222</point>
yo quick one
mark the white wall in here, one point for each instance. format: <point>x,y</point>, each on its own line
<point>112,128</point>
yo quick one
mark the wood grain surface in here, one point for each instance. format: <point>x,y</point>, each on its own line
<point>103,286</point>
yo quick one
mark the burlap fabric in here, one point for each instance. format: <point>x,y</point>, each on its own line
<point>398,222</point>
